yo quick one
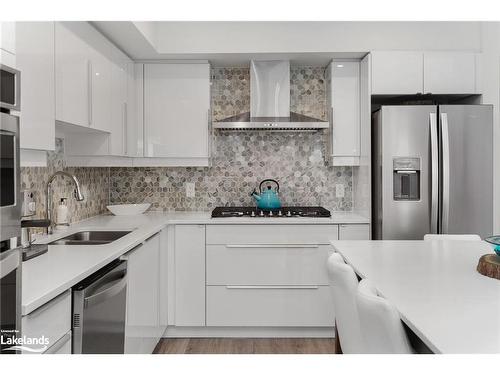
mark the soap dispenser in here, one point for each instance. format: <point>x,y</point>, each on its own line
<point>62,213</point>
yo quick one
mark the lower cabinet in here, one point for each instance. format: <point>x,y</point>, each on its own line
<point>51,321</point>
<point>189,275</point>
<point>269,306</point>
<point>354,232</point>
<point>268,275</point>
<point>142,325</point>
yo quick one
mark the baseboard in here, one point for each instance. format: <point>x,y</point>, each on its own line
<point>254,332</point>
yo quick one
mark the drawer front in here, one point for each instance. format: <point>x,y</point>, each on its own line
<point>267,264</point>
<point>242,306</point>
<point>52,320</point>
<point>354,232</point>
<point>62,346</point>
<point>271,234</point>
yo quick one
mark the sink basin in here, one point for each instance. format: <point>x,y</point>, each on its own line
<point>90,238</point>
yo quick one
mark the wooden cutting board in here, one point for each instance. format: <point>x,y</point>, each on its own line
<point>489,265</point>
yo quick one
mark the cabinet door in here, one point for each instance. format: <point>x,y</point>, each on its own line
<point>354,232</point>
<point>449,73</point>
<point>119,75</point>
<point>100,90</point>
<point>35,59</point>
<point>142,322</point>
<point>345,103</point>
<point>8,37</point>
<point>176,104</point>
<point>72,70</point>
<point>190,275</point>
<point>397,73</point>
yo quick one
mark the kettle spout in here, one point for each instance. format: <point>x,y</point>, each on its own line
<point>256,196</point>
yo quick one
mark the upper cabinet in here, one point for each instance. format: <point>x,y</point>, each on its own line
<point>397,73</point>
<point>72,69</point>
<point>450,73</point>
<point>35,60</point>
<point>343,93</point>
<point>8,43</point>
<point>177,112</point>
<point>410,73</point>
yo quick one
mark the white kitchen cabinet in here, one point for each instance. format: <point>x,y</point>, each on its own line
<point>119,103</point>
<point>61,346</point>
<point>450,72</point>
<point>142,327</point>
<point>8,37</point>
<point>397,72</point>
<point>51,320</point>
<point>73,73</point>
<point>176,112</point>
<point>35,60</point>
<point>354,232</point>
<point>164,276</point>
<point>190,275</point>
<point>343,79</point>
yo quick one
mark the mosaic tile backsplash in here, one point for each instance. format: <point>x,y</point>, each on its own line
<point>241,161</point>
<point>94,183</point>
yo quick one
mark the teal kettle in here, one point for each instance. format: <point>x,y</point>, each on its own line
<point>268,198</point>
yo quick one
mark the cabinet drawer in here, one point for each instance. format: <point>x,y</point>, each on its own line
<point>52,320</point>
<point>267,264</point>
<point>62,346</point>
<point>354,232</point>
<point>271,234</point>
<point>269,306</point>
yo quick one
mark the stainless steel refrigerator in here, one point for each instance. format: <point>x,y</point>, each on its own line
<point>432,169</point>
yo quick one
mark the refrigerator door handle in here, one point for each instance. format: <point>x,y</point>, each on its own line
<point>446,173</point>
<point>434,172</point>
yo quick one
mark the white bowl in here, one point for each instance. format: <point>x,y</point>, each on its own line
<point>128,209</point>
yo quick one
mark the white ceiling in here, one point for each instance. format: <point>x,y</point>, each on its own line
<point>303,43</point>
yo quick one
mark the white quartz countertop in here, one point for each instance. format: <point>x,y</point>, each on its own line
<point>436,288</point>
<point>50,274</point>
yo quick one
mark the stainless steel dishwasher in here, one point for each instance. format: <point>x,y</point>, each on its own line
<point>99,306</point>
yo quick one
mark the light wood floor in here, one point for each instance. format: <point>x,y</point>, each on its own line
<point>245,346</point>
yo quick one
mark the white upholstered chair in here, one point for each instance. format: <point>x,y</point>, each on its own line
<point>344,285</point>
<point>380,323</point>
<point>452,237</point>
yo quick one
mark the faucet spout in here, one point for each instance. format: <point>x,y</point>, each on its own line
<point>48,202</point>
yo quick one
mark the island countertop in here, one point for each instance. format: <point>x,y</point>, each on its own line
<point>436,288</point>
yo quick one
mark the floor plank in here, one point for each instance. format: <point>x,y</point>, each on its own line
<point>245,346</point>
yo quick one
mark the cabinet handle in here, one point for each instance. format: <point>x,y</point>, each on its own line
<point>274,246</point>
<point>210,145</point>
<point>125,127</point>
<point>272,287</point>
<point>89,91</point>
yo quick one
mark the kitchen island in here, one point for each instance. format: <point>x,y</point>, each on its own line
<point>436,288</point>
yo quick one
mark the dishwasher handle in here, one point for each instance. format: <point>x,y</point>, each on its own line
<point>116,287</point>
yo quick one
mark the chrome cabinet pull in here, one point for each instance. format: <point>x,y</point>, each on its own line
<point>272,287</point>
<point>273,246</point>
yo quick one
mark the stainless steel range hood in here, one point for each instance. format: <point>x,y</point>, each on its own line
<point>270,102</point>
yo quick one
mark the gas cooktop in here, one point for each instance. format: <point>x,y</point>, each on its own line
<point>311,211</point>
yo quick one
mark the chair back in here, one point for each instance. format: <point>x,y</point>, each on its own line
<point>343,286</point>
<point>381,325</point>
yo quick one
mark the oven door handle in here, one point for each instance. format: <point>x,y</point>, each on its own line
<point>9,263</point>
<point>112,291</point>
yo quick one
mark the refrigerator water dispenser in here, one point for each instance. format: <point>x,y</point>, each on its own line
<point>406,179</point>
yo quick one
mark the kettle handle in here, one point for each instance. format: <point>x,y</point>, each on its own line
<point>270,180</point>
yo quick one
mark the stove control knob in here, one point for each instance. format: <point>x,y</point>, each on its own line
<point>261,213</point>
<point>252,214</point>
<point>280,213</point>
<point>270,213</point>
<point>288,213</point>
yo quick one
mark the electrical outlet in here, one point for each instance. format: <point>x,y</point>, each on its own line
<point>339,191</point>
<point>190,189</point>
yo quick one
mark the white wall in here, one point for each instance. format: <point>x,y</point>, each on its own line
<point>490,46</point>
<point>291,37</point>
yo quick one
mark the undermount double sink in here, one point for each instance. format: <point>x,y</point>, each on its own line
<point>90,238</point>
